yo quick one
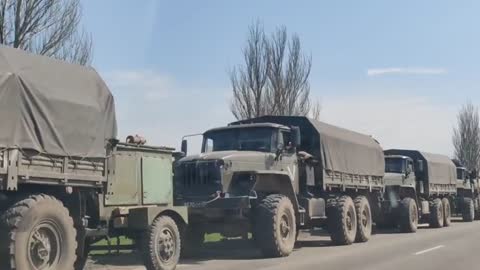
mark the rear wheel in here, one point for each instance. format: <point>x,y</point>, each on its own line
<point>447,213</point>
<point>364,219</point>
<point>408,215</point>
<point>275,226</point>
<point>436,214</point>
<point>468,210</point>
<point>162,244</point>
<point>37,233</point>
<point>342,220</point>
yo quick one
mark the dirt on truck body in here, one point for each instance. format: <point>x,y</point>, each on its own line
<point>274,175</point>
<point>65,181</point>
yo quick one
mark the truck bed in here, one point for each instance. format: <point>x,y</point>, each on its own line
<point>20,166</point>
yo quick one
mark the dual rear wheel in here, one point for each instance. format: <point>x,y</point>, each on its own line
<point>275,229</point>
<point>349,220</point>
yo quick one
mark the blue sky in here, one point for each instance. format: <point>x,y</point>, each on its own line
<point>398,70</point>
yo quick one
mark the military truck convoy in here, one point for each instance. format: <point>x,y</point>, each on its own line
<point>274,175</point>
<point>66,181</point>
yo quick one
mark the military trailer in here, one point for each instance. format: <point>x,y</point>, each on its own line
<point>274,175</point>
<point>420,187</point>
<point>65,181</point>
<point>467,201</point>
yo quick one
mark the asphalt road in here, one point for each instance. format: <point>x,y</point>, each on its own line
<point>455,247</point>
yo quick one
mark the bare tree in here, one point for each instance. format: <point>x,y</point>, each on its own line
<point>315,110</point>
<point>288,75</point>
<point>248,83</point>
<point>274,77</point>
<point>47,27</point>
<point>466,137</point>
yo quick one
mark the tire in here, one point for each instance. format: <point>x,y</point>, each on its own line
<point>37,233</point>
<point>342,221</point>
<point>275,226</point>
<point>468,210</point>
<point>408,215</point>
<point>447,212</point>
<point>436,214</point>
<point>162,244</point>
<point>364,219</point>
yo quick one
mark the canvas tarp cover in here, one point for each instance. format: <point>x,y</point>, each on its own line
<point>340,150</point>
<point>348,151</point>
<point>440,168</point>
<point>53,107</point>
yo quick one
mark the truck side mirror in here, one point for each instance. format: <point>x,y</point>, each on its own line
<point>184,147</point>
<point>296,137</point>
<point>420,165</point>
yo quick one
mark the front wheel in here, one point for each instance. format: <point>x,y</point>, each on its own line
<point>162,244</point>
<point>408,215</point>
<point>37,233</point>
<point>468,210</point>
<point>274,226</point>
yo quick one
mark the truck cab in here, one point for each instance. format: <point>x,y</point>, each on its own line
<point>231,157</point>
<point>463,179</point>
<point>399,171</point>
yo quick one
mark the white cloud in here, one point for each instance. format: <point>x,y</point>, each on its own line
<point>405,71</point>
<point>396,121</point>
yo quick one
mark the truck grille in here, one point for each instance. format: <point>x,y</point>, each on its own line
<point>198,177</point>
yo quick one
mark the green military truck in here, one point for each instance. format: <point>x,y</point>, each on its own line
<point>420,187</point>
<point>64,179</point>
<point>467,201</point>
<point>274,175</point>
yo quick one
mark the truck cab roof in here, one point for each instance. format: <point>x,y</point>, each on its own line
<point>253,125</point>
<point>397,156</point>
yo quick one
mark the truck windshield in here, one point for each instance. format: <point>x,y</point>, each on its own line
<point>395,165</point>
<point>242,139</point>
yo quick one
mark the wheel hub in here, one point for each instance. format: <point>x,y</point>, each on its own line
<point>349,221</point>
<point>43,245</point>
<point>364,218</point>
<point>284,227</point>
<point>166,245</point>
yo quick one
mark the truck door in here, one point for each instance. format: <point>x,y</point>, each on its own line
<point>288,160</point>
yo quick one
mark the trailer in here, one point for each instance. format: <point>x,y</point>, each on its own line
<point>274,175</point>
<point>420,187</point>
<point>66,181</point>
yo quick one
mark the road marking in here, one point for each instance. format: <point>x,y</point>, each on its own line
<point>430,249</point>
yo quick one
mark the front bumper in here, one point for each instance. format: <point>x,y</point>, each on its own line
<point>240,202</point>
